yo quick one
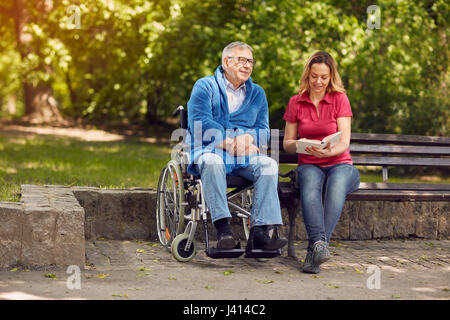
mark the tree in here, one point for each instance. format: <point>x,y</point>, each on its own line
<point>40,104</point>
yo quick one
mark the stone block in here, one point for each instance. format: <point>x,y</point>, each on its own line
<point>403,218</point>
<point>52,228</point>
<point>11,226</point>
<point>383,213</point>
<point>443,219</point>
<point>138,215</point>
<point>107,224</point>
<point>426,214</point>
<point>89,200</point>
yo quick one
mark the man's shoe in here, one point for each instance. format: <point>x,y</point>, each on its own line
<point>225,241</point>
<point>266,238</point>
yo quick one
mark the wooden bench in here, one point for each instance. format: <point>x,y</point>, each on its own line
<point>384,150</point>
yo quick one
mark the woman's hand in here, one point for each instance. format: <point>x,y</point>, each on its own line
<point>320,153</point>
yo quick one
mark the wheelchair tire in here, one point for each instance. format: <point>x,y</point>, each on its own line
<point>170,204</point>
<point>178,251</point>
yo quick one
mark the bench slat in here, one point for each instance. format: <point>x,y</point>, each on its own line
<point>365,148</point>
<point>380,161</point>
<point>400,139</point>
<point>403,186</point>
<point>390,138</point>
<point>399,195</point>
<point>397,161</point>
<point>287,192</point>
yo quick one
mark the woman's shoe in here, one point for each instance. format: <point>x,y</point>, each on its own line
<point>308,265</point>
<point>314,258</point>
<point>320,252</point>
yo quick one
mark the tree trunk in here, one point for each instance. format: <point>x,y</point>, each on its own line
<point>40,104</point>
<point>153,101</point>
<point>151,110</point>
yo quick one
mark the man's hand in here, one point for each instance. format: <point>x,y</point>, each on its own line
<point>244,145</point>
<point>240,145</point>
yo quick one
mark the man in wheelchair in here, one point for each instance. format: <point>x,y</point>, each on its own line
<point>228,122</point>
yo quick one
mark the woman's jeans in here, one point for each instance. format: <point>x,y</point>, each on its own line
<point>322,195</point>
<point>262,170</point>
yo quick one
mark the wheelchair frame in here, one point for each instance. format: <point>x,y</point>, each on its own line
<point>177,189</point>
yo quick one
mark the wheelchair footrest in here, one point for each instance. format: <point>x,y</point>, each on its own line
<point>259,253</point>
<point>215,253</point>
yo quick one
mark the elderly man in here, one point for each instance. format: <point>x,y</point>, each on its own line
<point>228,120</point>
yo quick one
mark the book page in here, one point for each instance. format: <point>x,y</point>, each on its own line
<point>333,138</point>
<point>304,143</point>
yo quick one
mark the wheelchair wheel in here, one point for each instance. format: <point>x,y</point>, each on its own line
<point>170,204</point>
<point>178,246</point>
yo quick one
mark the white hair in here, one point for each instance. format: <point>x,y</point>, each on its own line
<point>230,47</point>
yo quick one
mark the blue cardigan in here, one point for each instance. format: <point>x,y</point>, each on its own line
<point>210,122</point>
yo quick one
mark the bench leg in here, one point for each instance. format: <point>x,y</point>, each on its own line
<point>292,208</point>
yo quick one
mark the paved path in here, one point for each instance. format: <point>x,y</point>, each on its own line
<point>409,269</point>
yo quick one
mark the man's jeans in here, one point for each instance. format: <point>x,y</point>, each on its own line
<point>322,195</point>
<point>262,170</point>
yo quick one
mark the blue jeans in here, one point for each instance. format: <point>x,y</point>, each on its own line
<point>322,195</point>
<point>262,170</point>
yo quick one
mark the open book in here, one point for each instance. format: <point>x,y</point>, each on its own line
<point>305,143</point>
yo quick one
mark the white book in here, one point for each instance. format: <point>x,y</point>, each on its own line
<point>305,143</point>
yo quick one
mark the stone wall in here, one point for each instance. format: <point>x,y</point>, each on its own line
<point>44,229</point>
<point>366,220</point>
<point>51,223</point>
<point>118,214</point>
<point>130,214</point>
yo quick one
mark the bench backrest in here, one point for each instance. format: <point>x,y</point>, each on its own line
<point>390,150</point>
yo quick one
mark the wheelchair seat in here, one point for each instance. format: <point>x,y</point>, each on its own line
<point>238,182</point>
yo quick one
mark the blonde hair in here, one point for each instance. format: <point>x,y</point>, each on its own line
<point>335,84</point>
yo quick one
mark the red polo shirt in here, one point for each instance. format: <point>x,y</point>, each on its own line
<point>302,110</point>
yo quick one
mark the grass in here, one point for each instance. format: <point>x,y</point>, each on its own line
<point>50,160</point>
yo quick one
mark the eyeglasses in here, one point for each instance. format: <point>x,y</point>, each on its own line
<point>243,61</point>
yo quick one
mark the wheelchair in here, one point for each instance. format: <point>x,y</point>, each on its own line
<point>179,191</point>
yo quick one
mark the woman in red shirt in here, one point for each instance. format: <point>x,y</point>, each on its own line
<point>326,175</point>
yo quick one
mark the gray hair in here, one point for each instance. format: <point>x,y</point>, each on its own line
<point>230,47</point>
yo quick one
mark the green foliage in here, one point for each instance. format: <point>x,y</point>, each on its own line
<point>137,58</point>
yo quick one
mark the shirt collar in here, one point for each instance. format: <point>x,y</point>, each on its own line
<point>305,97</point>
<point>228,84</point>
